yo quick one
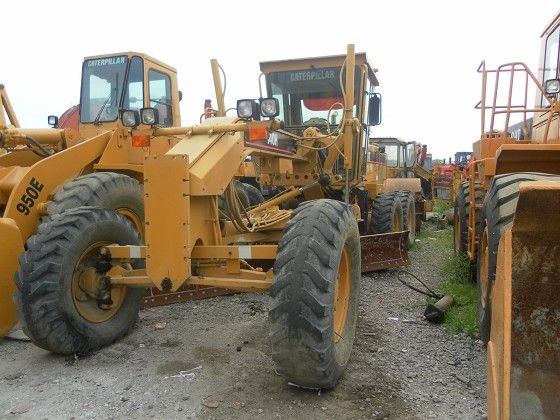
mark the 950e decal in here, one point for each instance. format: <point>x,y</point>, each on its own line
<point>31,194</point>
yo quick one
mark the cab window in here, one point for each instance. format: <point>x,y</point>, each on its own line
<point>550,69</point>
<point>160,96</point>
<point>134,97</point>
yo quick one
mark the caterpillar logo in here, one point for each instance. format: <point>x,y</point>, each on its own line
<point>109,61</point>
<point>297,76</point>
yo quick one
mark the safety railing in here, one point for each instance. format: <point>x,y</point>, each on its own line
<point>505,104</point>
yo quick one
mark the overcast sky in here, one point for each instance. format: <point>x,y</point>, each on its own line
<point>427,52</point>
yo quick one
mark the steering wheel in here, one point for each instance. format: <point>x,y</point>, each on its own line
<point>316,121</point>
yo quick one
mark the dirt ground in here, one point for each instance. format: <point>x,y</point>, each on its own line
<point>211,360</point>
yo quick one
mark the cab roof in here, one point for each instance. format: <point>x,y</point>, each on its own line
<point>317,62</point>
<point>131,54</point>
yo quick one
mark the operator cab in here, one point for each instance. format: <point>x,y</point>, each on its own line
<point>128,89</point>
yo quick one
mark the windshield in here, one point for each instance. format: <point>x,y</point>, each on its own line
<point>102,84</point>
<point>310,97</point>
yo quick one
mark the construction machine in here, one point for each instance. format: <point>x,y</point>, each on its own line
<point>448,177</point>
<point>47,171</point>
<point>407,170</point>
<point>82,275</point>
<point>506,221</point>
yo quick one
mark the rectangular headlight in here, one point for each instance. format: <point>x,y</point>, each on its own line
<point>552,86</point>
<point>269,107</point>
<point>247,108</point>
<point>149,116</point>
<point>130,118</point>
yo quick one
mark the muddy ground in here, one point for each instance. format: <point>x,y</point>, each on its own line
<point>211,360</point>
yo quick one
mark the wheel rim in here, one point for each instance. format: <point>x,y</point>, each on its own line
<point>84,278</point>
<point>133,217</point>
<point>342,295</point>
<point>396,225</point>
<point>483,273</point>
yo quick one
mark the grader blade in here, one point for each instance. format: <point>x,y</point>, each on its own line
<point>523,355</point>
<point>12,248</point>
<point>185,293</point>
<point>387,250</point>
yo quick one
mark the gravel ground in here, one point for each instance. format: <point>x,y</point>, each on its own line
<point>211,360</point>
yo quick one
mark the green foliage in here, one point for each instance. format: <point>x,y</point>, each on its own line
<point>461,317</point>
<point>431,237</point>
<point>442,206</point>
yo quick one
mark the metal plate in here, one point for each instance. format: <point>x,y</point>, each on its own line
<point>155,297</point>
<point>380,252</point>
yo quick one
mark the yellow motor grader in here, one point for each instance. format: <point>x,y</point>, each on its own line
<point>506,220</point>
<point>83,273</point>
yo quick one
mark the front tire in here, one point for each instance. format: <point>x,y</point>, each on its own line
<point>109,190</point>
<point>315,294</point>
<point>54,297</point>
<point>498,211</point>
<point>409,215</point>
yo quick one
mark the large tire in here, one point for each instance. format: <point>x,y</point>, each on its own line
<point>253,193</point>
<point>109,190</point>
<point>386,214</point>
<point>409,215</point>
<point>242,195</point>
<point>54,310</point>
<point>461,219</point>
<point>498,211</point>
<point>461,216</point>
<point>315,294</point>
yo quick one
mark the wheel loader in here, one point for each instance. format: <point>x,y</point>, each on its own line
<point>47,171</point>
<point>506,221</point>
<point>83,273</point>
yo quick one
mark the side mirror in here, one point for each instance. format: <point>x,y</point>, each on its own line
<point>52,120</point>
<point>374,109</point>
<point>180,96</point>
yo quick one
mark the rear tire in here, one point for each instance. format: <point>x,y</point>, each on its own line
<point>53,309</point>
<point>498,211</point>
<point>386,214</point>
<point>315,294</point>
<point>409,215</point>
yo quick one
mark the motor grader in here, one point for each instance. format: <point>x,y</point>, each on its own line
<point>506,220</point>
<point>406,171</point>
<point>82,275</point>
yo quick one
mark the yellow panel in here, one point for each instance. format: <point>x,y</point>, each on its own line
<point>12,247</point>
<point>166,204</point>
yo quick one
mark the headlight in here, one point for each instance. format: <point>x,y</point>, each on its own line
<point>130,118</point>
<point>552,86</point>
<point>149,116</point>
<point>246,108</point>
<point>269,107</point>
<point>53,120</point>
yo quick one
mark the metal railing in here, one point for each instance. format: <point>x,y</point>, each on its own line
<point>506,106</point>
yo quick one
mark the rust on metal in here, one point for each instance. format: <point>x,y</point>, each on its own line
<point>535,306</point>
<point>384,251</point>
